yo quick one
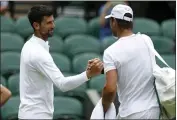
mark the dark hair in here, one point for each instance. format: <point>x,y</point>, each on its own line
<point>37,13</point>
<point>125,24</point>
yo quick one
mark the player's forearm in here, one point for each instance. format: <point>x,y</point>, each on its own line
<point>69,83</point>
<point>102,16</point>
<point>102,19</point>
<point>5,95</point>
<point>108,97</point>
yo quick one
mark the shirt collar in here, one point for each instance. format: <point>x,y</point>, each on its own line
<point>40,41</point>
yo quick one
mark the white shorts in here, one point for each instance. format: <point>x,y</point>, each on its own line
<point>152,113</point>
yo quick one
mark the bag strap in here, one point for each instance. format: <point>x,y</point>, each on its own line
<point>158,99</point>
<point>155,52</point>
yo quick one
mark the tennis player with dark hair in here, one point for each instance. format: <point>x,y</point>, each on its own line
<point>38,71</point>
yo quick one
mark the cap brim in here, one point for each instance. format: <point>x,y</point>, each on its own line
<point>108,16</point>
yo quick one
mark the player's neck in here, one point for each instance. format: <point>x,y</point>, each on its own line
<point>125,33</point>
<point>40,36</point>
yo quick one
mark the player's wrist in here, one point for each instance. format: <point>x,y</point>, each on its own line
<point>88,75</point>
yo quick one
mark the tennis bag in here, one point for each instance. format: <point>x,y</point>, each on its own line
<point>164,84</point>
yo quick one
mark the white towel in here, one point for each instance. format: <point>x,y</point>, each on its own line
<point>98,113</point>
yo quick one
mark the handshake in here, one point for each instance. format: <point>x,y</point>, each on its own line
<point>94,67</point>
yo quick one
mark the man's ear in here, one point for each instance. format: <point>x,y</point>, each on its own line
<point>36,25</point>
<point>116,23</point>
<point>113,21</point>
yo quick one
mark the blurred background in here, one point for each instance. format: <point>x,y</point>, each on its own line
<point>81,33</point>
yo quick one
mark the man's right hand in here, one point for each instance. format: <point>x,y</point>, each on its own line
<point>94,67</point>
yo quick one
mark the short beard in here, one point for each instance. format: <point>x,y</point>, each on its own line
<point>50,35</point>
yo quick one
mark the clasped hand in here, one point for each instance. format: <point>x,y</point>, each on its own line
<point>94,67</point>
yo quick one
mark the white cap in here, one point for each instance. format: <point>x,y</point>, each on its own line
<point>119,11</point>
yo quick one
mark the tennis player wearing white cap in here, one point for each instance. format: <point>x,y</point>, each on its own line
<point>128,69</point>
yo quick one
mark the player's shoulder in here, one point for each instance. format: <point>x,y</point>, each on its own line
<point>29,47</point>
<point>34,51</point>
<point>145,36</point>
<point>148,38</point>
<point>108,49</point>
<point>111,48</point>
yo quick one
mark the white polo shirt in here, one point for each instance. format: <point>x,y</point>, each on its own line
<point>131,58</point>
<point>38,72</point>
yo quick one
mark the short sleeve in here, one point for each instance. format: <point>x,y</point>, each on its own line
<point>108,62</point>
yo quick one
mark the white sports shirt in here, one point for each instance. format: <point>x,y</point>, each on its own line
<point>38,72</point>
<point>131,58</point>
